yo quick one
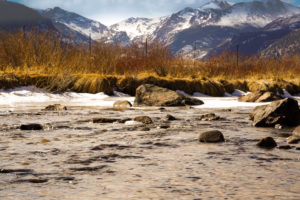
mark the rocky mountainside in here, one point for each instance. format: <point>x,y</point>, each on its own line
<point>14,16</point>
<point>287,45</point>
<point>204,31</point>
<point>81,27</point>
<point>275,39</point>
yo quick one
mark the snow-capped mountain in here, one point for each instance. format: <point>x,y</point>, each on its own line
<point>209,26</point>
<point>76,22</point>
<point>138,28</point>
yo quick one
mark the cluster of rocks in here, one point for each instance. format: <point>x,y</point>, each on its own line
<point>280,113</point>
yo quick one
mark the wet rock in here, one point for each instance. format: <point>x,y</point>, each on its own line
<point>285,147</point>
<point>211,137</point>
<point>55,107</point>
<point>169,118</point>
<point>260,96</point>
<point>209,117</point>
<point>144,129</point>
<point>267,142</point>
<point>104,120</point>
<point>89,169</point>
<point>32,180</point>
<point>123,121</point>
<point>121,105</point>
<point>293,140</point>
<point>143,119</point>
<point>8,171</point>
<point>31,127</point>
<point>151,95</point>
<point>284,112</point>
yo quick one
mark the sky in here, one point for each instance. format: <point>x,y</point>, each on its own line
<point>109,12</point>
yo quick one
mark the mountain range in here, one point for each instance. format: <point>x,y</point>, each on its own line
<point>257,27</point>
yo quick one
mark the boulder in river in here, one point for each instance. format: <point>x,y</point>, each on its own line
<point>211,137</point>
<point>267,142</point>
<point>151,95</point>
<point>295,138</point>
<point>296,132</point>
<point>260,96</point>
<point>285,112</point>
<point>121,105</point>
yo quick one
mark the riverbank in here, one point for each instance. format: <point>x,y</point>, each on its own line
<point>95,83</point>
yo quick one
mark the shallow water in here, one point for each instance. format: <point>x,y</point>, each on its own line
<point>76,159</point>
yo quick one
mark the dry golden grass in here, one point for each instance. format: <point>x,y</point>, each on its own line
<point>44,60</point>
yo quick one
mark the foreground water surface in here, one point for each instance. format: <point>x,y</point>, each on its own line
<point>73,158</point>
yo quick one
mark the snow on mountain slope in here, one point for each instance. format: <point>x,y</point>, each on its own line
<point>137,27</point>
<point>257,13</point>
<point>76,22</point>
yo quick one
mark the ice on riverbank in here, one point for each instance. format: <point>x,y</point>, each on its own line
<point>33,97</point>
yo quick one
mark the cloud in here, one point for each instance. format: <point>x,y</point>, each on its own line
<point>112,11</point>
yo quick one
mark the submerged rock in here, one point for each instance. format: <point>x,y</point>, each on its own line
<point>267,142</point>
<point>55,107</point>
<point>104,120</point>
<point>31,127</point>
<point>260,96</point>
<point>285,112</point>
<point>122,105</point>
<point>143,119</point>
<point>211,137</point>
<point>209,117</point>
<point>151,95</point>
<point>169,117</point>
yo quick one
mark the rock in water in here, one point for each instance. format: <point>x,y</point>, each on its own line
<point>267,142</point>
<point>151,95</point>
<point>284,112</point>
<point>260,96</point>
<point>31,127</point>
<point>169,118</point>
<point>121,105</point>
<point>211,137</point>
<point>55,107</point>
<point>143,119</point>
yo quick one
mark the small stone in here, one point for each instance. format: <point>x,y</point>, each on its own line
<point>278,126</point>
<point>163,127</point>
<point>286,147</point>
<point>31,127</point>
<point>267,142</point>
<point>55,107</point>
<point>104,120</point>
<point>293,140</point>
<point>211,137</point>
<point>169,118</point>
<point>144,129</point>
<point>121,105</point>
<point>143,119</point>
<point>209,117</point>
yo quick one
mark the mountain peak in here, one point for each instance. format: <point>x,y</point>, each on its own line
<point>215,4</point>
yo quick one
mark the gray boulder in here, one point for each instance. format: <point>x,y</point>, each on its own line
<point>151,95</point>
<point>260,96</point>
<point>211,137</point>
<point>284,112</point>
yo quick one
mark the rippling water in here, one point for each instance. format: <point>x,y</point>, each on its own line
<point>73,158</point>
